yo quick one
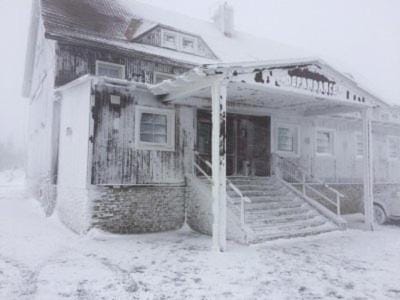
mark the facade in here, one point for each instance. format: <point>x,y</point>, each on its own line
<point>133,110</point>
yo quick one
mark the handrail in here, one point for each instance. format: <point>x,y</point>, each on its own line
<point>234,188</point>
<point>307,185</point>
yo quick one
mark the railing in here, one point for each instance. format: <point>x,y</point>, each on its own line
<point>198,169</point>
<point>295,175</point>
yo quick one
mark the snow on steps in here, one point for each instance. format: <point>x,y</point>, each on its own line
<point>276,212</point>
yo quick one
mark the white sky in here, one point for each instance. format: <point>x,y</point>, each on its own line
<point>361,36</point>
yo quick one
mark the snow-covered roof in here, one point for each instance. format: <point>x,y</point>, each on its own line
<point>108,20</point>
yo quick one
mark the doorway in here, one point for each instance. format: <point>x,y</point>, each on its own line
<point>248,143</point>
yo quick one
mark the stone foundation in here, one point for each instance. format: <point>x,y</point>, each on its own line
<point>138,209</point>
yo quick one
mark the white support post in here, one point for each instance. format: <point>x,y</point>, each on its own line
<point>219,92</point>
<point>368,169</point>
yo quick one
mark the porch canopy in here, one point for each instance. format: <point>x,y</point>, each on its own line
<point>303,87</point>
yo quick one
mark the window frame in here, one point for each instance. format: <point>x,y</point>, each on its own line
<point>106,63</point>
<point>195,44</point>
<point>333,136</point>
<point>164,44</point>
<point>296,152</point>
<point>396,140</point>
<point>357,136</point>
<point>170,114</point>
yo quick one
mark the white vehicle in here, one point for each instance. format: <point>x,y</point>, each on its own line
<point>387,209</point>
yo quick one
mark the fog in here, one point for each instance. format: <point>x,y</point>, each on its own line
<point>361,37</point>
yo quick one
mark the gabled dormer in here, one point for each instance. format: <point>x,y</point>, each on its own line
<point>173,39</point>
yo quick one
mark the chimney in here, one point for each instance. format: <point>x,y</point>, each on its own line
<point>224,19</point>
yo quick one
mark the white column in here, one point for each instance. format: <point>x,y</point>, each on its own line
<point>218,93</point>
<point>368,169</point>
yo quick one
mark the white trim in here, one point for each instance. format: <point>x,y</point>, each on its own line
<point>106,63</point>
<point>276,127</point>
<point>170,114</point>
<point>333,134</point>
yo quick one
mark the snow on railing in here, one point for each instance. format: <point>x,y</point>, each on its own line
<point>296,176</point>
<point>198,169</point>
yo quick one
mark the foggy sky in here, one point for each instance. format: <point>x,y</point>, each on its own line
<point>359,36</point>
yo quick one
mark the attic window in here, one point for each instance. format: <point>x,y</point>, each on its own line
<point>169,39</point>
<point>189,44</point>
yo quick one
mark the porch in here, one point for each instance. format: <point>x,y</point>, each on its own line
<point>262,90</point>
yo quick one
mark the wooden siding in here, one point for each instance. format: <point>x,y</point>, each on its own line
<point>115,160</point>
<point>74,61</point>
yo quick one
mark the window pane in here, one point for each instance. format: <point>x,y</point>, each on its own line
<point>110,70</point>
<point>160,139</point>
<point>287,139</point>
<point>160,129</point>
<point>148,138</point>
<point>324,142</point>
<point>154,128</point>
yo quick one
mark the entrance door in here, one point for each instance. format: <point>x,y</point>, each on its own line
<point>248,143</point>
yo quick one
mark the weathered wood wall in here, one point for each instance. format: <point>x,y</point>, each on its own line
<point>115,160</point>
<point>74,61</point>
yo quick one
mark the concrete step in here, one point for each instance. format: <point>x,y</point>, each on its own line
<point>273,205</point>
<point>263,223</point>
<point>299,233</point>
<point>258,193</point>
<point>291,226</point>
<point>277,212</point>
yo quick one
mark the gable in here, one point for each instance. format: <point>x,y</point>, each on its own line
<point>313,78</point>
<point>157,37</point>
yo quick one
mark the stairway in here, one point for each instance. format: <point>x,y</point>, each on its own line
<point>275,211</point>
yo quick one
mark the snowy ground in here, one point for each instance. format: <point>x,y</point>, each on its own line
<point>40,259</point>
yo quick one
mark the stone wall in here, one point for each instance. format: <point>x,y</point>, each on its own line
<point>140,209</point>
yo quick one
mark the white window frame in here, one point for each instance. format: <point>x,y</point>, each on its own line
<point>296,152</point>
<point>105,63</point>
<point>396,140</point>
<point>168,45</point>
<point>170,114</point>
<point>169,76</point>
<point>333,135</point>
<point>195,44</point>
<point>359,135</point>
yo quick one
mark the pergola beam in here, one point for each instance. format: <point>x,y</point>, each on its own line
<point>219,94</point>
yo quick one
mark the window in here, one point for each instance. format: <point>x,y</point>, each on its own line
<point>110,70</point>
<point>160,77</point>
<point>324,142</point>
<point>394,147</point>
<point>189,44</point>
<point>155,129</point>
<point>169,39</point>
<point>359,145</point>
<point>288,139</point>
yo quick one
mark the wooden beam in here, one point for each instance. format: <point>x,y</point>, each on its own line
<point>185,90</point>
<point>368,169</point>
<point>219,93</point>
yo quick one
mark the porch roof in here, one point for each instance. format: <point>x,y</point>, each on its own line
<point>306,87</point>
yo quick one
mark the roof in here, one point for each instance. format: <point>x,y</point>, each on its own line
<point>108,21</point>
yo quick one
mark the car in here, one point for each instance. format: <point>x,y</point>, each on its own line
<point>387,208</point>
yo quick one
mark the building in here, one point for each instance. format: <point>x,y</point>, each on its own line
<point>141,119</point>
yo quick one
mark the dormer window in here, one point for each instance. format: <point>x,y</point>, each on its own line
<point>169,39</point>
<point>189,44</point>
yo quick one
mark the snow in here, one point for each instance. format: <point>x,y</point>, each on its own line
<point>41,259</point>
